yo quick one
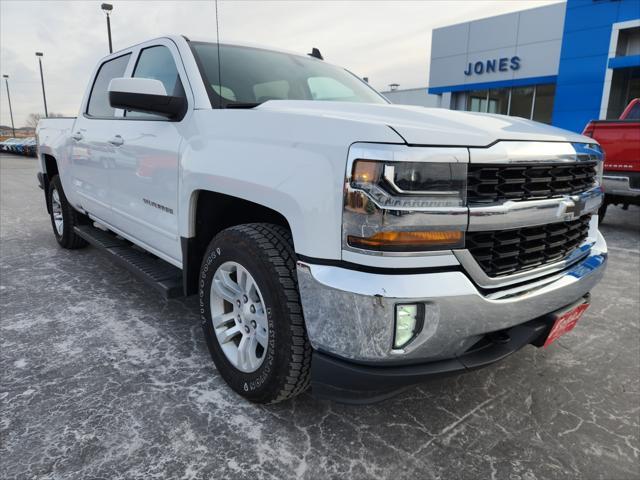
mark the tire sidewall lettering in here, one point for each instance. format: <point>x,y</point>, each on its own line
<point>206,277</point>
<point>213,254</point>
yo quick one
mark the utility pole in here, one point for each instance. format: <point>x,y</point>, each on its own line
<point>44,95</point>
<point>107,7</point>
<point>6,82</point>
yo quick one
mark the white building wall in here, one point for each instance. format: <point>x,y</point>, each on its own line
<point>535,36</point>
<point>414,96</point>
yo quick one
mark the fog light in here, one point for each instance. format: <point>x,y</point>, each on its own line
<point>409,319</point>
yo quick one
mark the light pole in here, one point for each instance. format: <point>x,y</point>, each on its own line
<point>107,7</point>
<point>44,95</point>
<point>6,82</point>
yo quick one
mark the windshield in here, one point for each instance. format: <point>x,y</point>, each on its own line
<point>249,76</point>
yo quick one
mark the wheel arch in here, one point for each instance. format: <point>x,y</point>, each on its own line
<point>50,165</point>
<point>209,213</point>
<point>50,169</point>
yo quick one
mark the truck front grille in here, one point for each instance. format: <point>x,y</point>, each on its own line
<point>505,252</point>
<point>488,183</point>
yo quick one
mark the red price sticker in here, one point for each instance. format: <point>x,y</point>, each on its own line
<point>565,323</point>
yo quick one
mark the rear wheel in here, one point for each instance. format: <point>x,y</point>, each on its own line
<point>252,318</point>
<point>63,217</point>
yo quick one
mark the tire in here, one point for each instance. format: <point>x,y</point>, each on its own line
<point>602,211</point>
<point>62,210</point>
<point>265,251</point>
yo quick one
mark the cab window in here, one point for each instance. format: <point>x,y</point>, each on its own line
<point>158,63</point>
<point>634,113</point>
<point>98,105</point>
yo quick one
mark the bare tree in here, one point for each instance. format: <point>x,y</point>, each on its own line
<point>33,118</point>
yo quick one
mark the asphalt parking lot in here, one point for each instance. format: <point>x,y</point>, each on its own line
<point>101,378</point>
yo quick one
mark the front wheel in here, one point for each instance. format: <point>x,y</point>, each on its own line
<point>63,217</point>
<point>251,313</point>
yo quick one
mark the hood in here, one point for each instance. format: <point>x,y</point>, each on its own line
<point>431,126</point>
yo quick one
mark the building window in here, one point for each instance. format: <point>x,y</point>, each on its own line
<point>625,80</point>
<point>628,42</point>
<point>498,101</point>
<point>522,102</point>
<point>543,106</point>
<point>625,86</point>
<point>534,103</point>
<point>477,101</point>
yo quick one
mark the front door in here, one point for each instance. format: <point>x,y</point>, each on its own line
<point>144,178</point>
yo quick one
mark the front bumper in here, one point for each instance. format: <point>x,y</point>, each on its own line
<point>349,314</point>
<point>354,383</point>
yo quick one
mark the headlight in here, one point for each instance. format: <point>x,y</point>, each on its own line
<point>601,160</point>
<point>411,184</point>
<point>588,152</point>
<point>404,206</point>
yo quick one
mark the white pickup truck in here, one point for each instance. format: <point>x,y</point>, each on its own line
<point>335,240</point>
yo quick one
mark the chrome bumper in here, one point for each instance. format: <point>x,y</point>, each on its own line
<point>350,314</point>
<point>619,185</point>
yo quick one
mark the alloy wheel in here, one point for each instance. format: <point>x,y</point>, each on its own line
<point>239,317</point>
<point>56,211</point>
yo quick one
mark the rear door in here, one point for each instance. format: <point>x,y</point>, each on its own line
<point>144,179</point>
<point>91,156</point>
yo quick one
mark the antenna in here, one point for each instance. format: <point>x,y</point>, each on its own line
<point>315,53</point>
<point>218,43</point>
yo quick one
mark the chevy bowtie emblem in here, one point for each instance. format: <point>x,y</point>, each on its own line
<point>571,208</point>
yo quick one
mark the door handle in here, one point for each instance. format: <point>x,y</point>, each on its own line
<point>77,136</point>
<point>117,140</point>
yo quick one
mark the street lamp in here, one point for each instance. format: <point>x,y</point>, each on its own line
<point>44,95</point>
<point>106,8</point>
<point>6,82</point>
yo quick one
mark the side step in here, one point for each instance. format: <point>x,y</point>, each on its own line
<point>162,276</point>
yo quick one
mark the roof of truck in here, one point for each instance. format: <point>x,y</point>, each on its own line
<point>250,45</point>
<point>213,40</point>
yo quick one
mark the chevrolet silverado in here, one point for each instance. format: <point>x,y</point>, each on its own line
<point>334,240</point>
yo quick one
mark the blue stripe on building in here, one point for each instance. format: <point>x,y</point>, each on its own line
<point>584,58</point>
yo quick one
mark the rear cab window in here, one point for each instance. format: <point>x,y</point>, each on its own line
<point>98,105</point>
<point>634,113</point>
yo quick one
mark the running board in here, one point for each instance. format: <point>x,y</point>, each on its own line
<point>162,276</point>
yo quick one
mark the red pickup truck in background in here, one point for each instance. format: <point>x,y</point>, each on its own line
<point>620,140</point>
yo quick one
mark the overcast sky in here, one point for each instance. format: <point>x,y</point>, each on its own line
<point>387,41</point>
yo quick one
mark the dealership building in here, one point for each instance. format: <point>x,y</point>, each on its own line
<point>562,64</point>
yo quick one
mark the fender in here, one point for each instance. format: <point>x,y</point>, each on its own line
<point>292,164</point>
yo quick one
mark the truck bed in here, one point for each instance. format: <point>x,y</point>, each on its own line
<point>53,134</point>
<point>620,140</point>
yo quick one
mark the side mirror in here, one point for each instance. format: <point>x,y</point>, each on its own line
<point>145,95</point>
